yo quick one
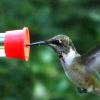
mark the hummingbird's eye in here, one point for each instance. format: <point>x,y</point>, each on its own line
<point>57,42</point>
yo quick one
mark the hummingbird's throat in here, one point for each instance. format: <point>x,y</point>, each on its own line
<point>68,58</point>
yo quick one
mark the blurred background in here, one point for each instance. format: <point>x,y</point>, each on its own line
<point>42,77</point>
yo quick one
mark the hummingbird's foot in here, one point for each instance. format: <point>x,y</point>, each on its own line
<point>82,90</point>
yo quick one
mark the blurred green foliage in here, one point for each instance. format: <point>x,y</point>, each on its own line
<point>42,77</point>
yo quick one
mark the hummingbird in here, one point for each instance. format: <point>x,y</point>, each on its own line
<point>82,70</point>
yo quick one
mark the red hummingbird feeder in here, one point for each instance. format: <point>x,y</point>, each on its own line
<point>13,44</point>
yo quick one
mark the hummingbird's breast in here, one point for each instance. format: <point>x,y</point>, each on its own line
<point>79,76</point>
<point>77,73</point>
<point>82,78</point>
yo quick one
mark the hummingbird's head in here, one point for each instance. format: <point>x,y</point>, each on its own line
<point>60,43</point>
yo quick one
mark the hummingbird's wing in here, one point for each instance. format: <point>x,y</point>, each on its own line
<point>92,61</point>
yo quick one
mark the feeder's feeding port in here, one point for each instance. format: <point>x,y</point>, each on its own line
<point>13,44</point>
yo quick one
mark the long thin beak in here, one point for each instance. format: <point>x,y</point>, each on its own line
<point>38,43</point>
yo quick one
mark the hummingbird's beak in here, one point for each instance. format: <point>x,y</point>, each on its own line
<point>38,43</point>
